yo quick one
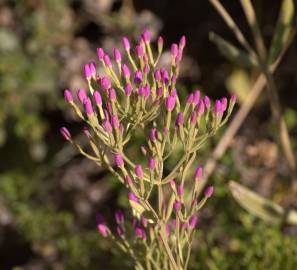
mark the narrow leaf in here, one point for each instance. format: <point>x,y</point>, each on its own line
<point>232,53</point>
<point>282,31</point>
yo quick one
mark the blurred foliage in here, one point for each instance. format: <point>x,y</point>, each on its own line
<point>39,41</point>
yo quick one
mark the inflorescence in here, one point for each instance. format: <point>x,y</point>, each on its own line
<point>133,94</point>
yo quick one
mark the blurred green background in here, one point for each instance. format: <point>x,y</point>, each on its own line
<point>49,194</point>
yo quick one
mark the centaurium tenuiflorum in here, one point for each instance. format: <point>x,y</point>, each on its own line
<point>135,94</point>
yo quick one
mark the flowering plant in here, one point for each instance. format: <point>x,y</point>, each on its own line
<point>142,96</point>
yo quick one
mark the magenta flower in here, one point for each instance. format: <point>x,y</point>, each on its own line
<point>152,164</point>
<point>182,42</point>
<point>193,117</point>
<point>88,106</point>
<point>157,75</point>
<point>170,102</point>
<point>68,95</point>
<point>224,102</point>
<point>153,134</point>
<point>118,159</point>
<point>206,102</point>
<point>126,43</point>
<point>97,98</point>
<point>180,191</point>
<point>132,197</point>
<point>119,217</point>
<point>117,55</point>
<point>100,53</point>
<point>128,180</point>
<point>198,172</point>
<point>112,94</point>
<point>81,94</point>
<point>87,72</point>
<point>120,231</point>
<point>107,61</point>
<point>196,97</point>
<point>107,126</point>
<point>177,205</point>
<point>126,71</point>
<point>209,191</point>
<point>115,121</point>
<point>105,83</point>
<point>179,119</point>
<point>146,36</point>
<point>193,222</point>
<point>174,50</point>
<point>65,133</point>
<point>103,230</point>
<point>140,233</point>
<point>139,51</point>
<point>128,89</point>
<point>190,98</point>
<point>138,77</point>
<point>201,107</point>
<point>138,171</point>
<point>160,91</point>
<point>217,107</point>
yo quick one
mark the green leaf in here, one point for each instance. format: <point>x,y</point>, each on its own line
<point>282,31</point>
<point>232,53</point>
<point>261,207</point>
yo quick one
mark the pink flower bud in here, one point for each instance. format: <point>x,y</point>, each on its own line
<point>105,83</point>
<point>144,221</point>
<point>201,107</point>
<point>196,97</point>
<point>224,102</point>
<point>193,222</point>
<point>132,197</point>
<point>193,117</point>
<point>209,191</point>
<point>119,217</point>
<point>117,55</point>
<point>153,134</point>
<point>126,43</point>
<point>68,95</point>
<point>152,164</point>
<point>97,98</point>
<point>100,53</point>
<point>198,172</point>
<point>120,231</point>
<point>146,36</point>
<point>112,94</point>
<point>88,106</point>
<point>182,42</point>
<point>179,56</point>
<point>140,233</point>
<point>128,180</point>
<point>138,171</point>
<point>138,77</point>
<point>115,121</point>
<point>81,94</point>
<point>92,66</point>
<point>160,91</point>
<point>177,205</point>
<point>118,159</point>
<point>233,99</point>
<point>139,51</point>
<point>174,50</point>
<point>190,98</point>
<point>165,75</point>
<point>170,102</point>
<point>146,69</point>
<point>126,71</point>
<point>217,107</point>
<point>160,44</point>
<point>157,75</point>
<point>206,102</point>
<point>180,191</point>
<point>65,133</point>
<point>172,184</point>
<point>87,72</point>
<point>179,119</point>
<point>128,89</point>
<point>103,230</point>
<point>87,132</point>
<point>107,126</point>
<point>107,61</point>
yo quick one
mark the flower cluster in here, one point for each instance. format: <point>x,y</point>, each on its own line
<point>136,94</point>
